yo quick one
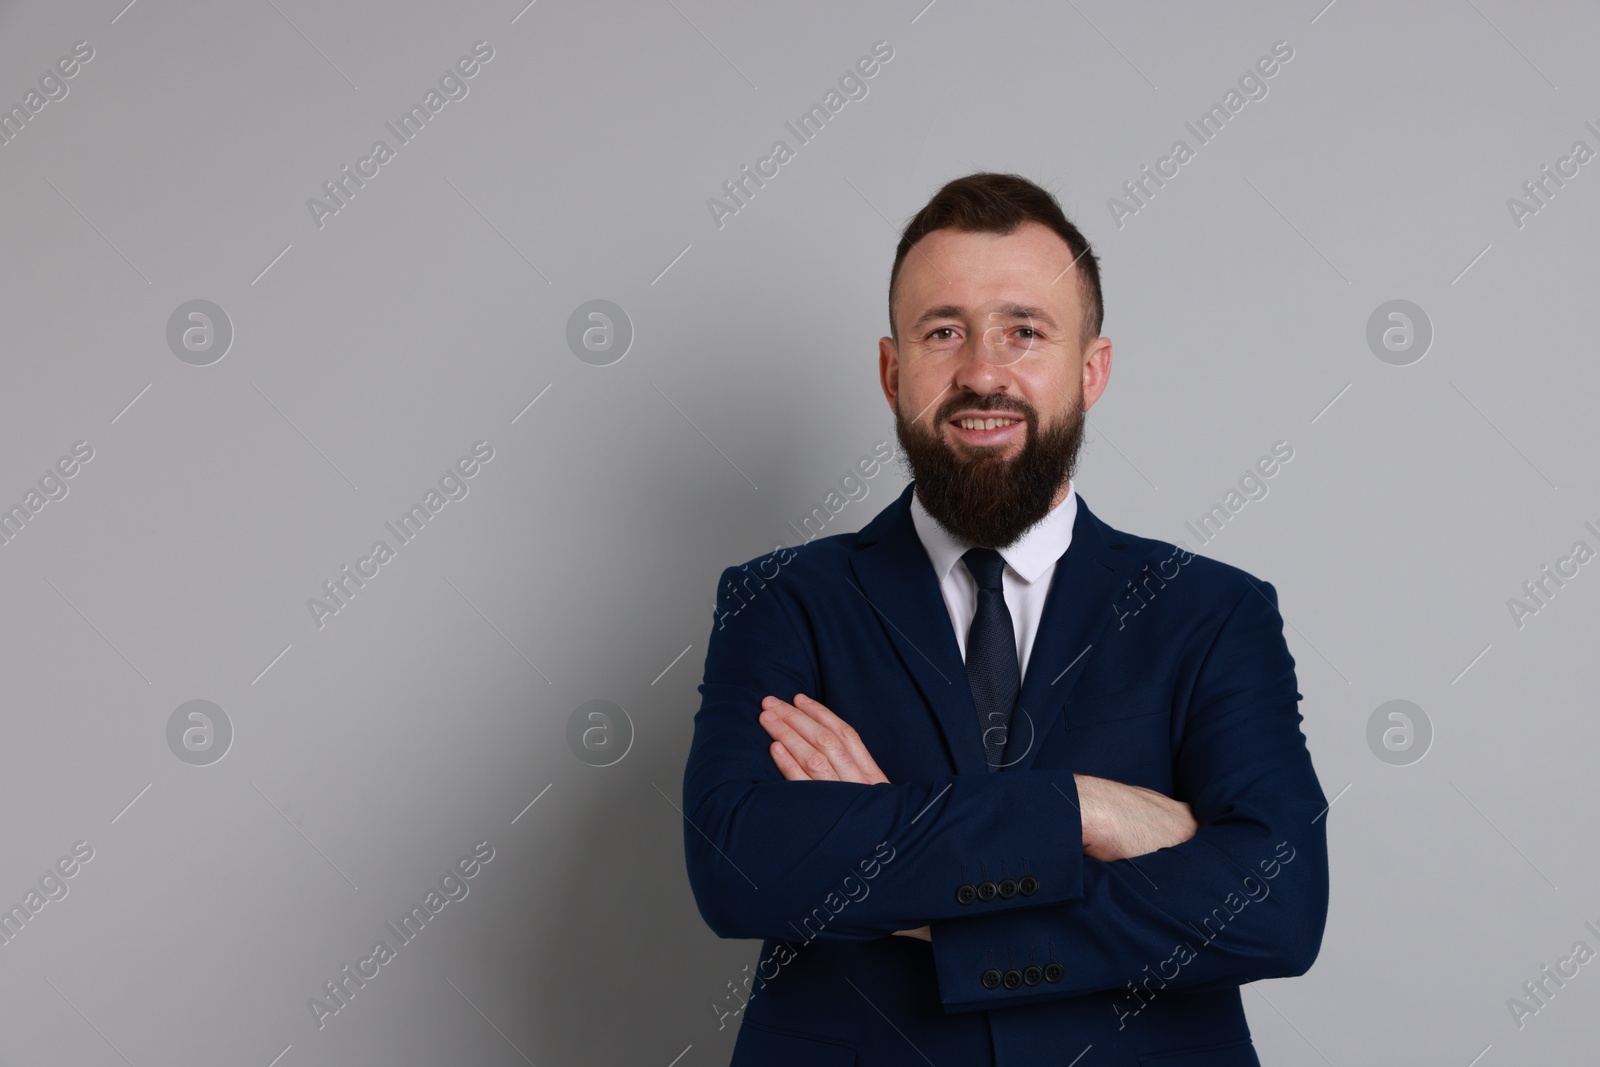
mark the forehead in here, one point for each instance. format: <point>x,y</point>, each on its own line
<point>952,267</point>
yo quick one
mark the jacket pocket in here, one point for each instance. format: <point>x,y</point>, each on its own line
<point>758,1046</point>
<point>1233,1054</point>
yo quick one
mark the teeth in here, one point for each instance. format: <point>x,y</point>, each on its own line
<point>986,424</point>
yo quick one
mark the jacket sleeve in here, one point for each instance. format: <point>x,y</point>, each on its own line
<point>770,858</point>
<point>1246,898</point>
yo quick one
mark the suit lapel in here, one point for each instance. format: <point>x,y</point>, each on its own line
<point>895,575</point>
<point>1077,610</point>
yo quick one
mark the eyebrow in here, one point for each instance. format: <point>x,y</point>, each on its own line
<point>1010,310</point>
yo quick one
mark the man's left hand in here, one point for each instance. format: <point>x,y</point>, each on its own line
<point>812,744</point>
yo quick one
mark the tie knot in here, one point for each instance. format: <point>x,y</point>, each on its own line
<point>986,567</point>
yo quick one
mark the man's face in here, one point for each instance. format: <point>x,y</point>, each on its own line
<point>989,380</point>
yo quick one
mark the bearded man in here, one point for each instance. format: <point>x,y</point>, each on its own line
<point>994,782</point>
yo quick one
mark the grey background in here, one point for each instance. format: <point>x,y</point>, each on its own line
<point>369,354</point>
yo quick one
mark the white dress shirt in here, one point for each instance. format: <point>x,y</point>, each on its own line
<point>1030,564</point>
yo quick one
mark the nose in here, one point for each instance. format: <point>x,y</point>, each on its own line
<point>983,368</point>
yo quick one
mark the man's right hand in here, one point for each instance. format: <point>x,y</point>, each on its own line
<point>1122,821</point>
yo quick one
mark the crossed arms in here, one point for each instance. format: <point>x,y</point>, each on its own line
<point>778,810</point>
<point>812,744</point>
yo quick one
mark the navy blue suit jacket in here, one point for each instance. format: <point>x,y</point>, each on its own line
<point>1152,666</point>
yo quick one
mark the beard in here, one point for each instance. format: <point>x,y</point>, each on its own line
<point>987,500</point>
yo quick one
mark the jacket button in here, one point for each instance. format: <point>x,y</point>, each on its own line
<point>1033,975</point>
<point>1012,978</point>
<point>1028,886</point>
<point>966,895</point>
<point>1008,888</point>
<point>1054,972</point>
<point>987,891</point>
<point>991,979</point>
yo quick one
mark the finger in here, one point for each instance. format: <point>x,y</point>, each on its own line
<point>780,721</point>
<point>846,733</point>
<point>828,740</point>
<point>787,766</point>
<point>821,743</point>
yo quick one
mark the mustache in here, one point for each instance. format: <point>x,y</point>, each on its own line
<point>994,402</point>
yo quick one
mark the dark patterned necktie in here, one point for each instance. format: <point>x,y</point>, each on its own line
<point>992,668</point>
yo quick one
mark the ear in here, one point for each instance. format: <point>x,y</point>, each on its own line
<point>1096,370</point>
<point>889,369</point>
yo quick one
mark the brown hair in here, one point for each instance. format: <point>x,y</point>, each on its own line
<point>1000,203</point>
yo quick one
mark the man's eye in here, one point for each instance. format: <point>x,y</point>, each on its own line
<point>1030,330</point>
<point>933,335</point>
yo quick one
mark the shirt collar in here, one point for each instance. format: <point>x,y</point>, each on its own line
<point>1029,556</point>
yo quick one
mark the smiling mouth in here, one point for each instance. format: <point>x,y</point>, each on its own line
<point>988,430</point>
